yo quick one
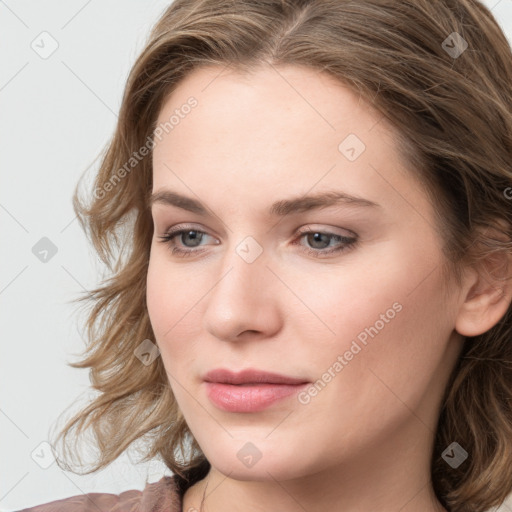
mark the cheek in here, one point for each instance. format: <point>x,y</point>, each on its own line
<point>391,362</point>
<point>171,300</point>
<point>168,291</point>
<point>156,296</point>
<point>389,318</point>
<point>162,301</point>
<point>368,291</point>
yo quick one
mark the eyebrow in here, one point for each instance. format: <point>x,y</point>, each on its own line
<point>278,209</point>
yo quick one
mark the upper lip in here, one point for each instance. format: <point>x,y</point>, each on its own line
<point>250,376</point>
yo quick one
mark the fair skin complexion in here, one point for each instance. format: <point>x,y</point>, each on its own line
<point>364,441</point>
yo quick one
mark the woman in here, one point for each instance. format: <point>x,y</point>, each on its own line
<point>314,311</point>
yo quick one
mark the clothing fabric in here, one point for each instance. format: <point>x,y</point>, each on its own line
<point>161,496</point>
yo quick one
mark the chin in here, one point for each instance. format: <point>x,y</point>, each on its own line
<point>258,473</point>
<point>259,461</point>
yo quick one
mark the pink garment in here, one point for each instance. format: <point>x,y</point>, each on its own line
<point>161,496</point>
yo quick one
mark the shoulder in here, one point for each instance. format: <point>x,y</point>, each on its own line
<point>157,496</point>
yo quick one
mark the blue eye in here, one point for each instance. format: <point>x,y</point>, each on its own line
<point>317,239</point>
<point>195,235</point>
<point>320,241</point>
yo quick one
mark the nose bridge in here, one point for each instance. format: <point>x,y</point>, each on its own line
<point>244,269</point>
<point>240,299</point>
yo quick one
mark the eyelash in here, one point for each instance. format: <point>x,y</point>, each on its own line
<point>348,242</point>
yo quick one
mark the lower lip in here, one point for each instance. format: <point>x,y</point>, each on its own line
<point>249,398</point>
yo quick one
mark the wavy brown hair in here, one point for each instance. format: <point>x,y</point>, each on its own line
<point>453,117</point>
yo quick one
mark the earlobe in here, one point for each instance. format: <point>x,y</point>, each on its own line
<point>488,298</point>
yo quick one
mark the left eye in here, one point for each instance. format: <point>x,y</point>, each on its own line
<point>320,240</point>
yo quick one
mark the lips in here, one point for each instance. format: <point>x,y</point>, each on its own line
<point>249,391</point>
<point>250,376</point>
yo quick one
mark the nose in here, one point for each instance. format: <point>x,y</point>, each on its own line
<point>244,301</point>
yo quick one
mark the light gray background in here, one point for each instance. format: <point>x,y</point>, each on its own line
<point>56,115</point>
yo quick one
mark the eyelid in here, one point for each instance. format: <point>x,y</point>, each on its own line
<point>323,229</point>
<point>187,227</point>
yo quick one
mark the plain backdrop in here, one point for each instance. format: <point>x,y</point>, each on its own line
<point>63,67</point>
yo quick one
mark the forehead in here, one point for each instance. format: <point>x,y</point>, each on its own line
<point>300,100</point>
<point>289,129</point>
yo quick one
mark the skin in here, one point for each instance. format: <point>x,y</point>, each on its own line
<point>364,442</point>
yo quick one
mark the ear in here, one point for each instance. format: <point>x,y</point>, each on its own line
<point>487,294</point>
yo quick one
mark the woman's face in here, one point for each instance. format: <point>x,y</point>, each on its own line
<point>357,308</point>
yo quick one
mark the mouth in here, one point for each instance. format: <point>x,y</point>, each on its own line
<point>249,390</point>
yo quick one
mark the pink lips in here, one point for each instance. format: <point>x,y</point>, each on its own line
<point>249,390</point>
